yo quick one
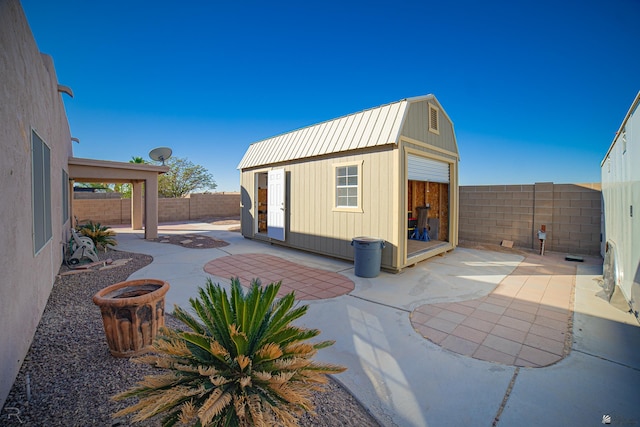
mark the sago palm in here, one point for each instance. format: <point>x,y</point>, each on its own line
<point>101,235</point>
<point>242,363</point>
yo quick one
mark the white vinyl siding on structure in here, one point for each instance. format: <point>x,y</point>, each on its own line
<point>40,191</point>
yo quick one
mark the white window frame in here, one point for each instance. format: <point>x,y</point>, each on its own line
<point>40,192</point>
<point>434,127</point>
<point>358,187</point>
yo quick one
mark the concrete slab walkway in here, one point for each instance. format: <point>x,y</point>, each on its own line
<point>407,380</point>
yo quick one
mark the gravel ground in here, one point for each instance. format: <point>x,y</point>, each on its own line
<point>69,375</point>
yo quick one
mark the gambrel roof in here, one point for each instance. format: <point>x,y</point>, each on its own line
<point>369,128</point>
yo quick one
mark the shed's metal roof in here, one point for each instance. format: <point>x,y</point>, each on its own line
<point>369,128</point>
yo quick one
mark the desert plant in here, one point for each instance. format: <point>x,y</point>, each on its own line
<point>101,235</point>
<point>242,363</point>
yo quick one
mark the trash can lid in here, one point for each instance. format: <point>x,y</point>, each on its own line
<point>365,239</point>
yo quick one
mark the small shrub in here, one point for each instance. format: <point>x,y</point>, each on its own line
<point>100,234</point>
<point>242,363</point>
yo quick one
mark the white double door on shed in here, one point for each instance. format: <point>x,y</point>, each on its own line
<point>276,194</point>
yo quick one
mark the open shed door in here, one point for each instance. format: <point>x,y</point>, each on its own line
<point>275,205</point>
<point>428,203</point>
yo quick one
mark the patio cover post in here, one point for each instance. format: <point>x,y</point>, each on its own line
<point>136,205</point>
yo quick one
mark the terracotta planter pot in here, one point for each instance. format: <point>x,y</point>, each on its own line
<point>132,312</point>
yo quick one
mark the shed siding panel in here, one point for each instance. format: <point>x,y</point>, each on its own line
<point>417,127</point>
<point>313,223</point>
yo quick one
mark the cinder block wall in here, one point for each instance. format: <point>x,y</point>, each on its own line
<point>570,212</point>
<point>577,215</point>
<point>173,210</point>
<point>196,206</point>
<point>104,211</point>
<point>89,195</point>
<point>497,212</point>
<point>222,204</point>
<point>125,211</point>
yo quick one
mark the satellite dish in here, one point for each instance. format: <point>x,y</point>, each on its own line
<point>160,154</point>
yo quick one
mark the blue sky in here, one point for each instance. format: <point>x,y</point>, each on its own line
<point>536,90</point>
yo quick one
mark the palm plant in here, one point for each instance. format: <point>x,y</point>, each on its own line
<point>137,159</point>
<point>101,235</point>
<point>242,363</point>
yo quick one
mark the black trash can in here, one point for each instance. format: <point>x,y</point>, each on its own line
<point>367,255</point>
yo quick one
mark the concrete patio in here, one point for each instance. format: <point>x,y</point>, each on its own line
<point>408,375</point>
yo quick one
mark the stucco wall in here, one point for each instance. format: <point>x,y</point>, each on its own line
<point>29,99</point>
<point>571,213</point>
<point>195,206</point>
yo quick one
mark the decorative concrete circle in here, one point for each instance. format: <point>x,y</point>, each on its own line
<point>526,321</point>
<point>308,283</point>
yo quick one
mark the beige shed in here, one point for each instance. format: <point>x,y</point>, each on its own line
<point>390,172</point>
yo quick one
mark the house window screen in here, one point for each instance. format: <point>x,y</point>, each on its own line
<point>347,186</point>
<point>41,191</point>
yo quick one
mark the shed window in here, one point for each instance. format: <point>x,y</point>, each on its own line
<point>347,186</point>
<point>40,191</point>
<point>434,125</point>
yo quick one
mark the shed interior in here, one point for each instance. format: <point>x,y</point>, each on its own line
<point>428,208</point>
<point>262,202</point>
